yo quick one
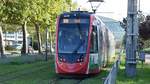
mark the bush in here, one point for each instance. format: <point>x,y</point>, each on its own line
<point>9,48</point>
<point>147,50</point>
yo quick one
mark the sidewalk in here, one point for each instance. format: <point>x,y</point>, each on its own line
<point>147,58</point>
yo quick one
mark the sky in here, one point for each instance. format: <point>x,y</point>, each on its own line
<point>116,9</point>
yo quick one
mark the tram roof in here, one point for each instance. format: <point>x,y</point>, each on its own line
<point>82,14</point>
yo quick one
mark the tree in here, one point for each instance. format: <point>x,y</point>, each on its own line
<point>44,13</point>
<point>1,43</point>
<point>144,32</point>
<point>1,32</point>
<point>36,17</point>
<point>16,12</point>
<point>38,13</point>
<point>144,29</point>
<point>141,17</point>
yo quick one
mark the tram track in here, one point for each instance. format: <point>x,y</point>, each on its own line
<point>54,80</point>
<point>79,81</point>
<point>74,80</point>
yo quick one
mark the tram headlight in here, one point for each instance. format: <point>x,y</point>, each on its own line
<point>64,60</point>
<point>80,60</point>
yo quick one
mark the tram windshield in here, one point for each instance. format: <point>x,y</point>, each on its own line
<point>73,37</point>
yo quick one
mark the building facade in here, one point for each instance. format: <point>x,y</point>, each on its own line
<point>13,38</point>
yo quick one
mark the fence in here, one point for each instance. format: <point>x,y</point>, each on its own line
<point>111,78</point>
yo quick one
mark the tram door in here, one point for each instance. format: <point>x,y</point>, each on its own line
<point>94,59</point>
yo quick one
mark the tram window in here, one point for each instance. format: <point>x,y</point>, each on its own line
<point>94,41</point>
<point>101,39</point>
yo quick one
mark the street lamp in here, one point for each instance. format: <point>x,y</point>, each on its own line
<point>94,8</point>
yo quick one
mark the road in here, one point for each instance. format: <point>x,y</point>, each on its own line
<point>147,58</point>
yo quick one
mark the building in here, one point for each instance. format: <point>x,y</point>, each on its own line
<point>13,38</point>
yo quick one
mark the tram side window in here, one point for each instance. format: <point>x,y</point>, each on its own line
<point>101,39</point>
<point>94,41</point>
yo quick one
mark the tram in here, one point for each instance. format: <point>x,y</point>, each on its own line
<point>84,45</point>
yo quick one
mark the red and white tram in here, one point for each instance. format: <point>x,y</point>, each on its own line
<point>83,43</point>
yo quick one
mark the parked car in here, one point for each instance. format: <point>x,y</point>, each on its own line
<point>48,48</point>
<point>17,47</point>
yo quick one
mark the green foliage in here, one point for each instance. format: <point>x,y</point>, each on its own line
<point>147,44</point>
<point>15,11</point>
<point>144,33</point>
<point>142,76</point>
<point>42,12</point>
<point>147,50</point>
<point>144,29</point>
<point>41,72</point>
<point>141,17</point>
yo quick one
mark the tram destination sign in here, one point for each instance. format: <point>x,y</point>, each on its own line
<point>67,21</point>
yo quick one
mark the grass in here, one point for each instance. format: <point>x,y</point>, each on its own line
<point>142,77</point>
<point>21,59</point>
<point>43,76</point>
<point>147,50</point>
<point>14,66</point>
<point>36,77</point>
<point>47,74</point>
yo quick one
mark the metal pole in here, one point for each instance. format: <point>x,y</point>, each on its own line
<point>46,58</point>
<point>51,43</point>
<point>70,7</point>
<point>132,37</point>
<point>139,5</point>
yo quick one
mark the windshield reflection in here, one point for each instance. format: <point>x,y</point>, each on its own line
<point>72,38</point>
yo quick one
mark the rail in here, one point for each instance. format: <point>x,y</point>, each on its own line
<point>111,78</point>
